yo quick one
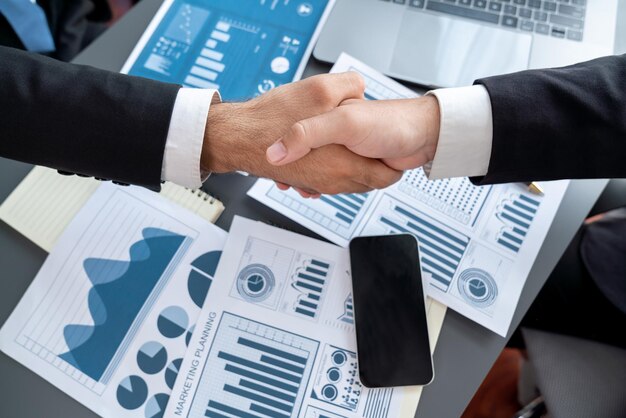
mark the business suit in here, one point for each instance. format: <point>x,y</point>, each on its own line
<point>569,123</point>
<point>118,132</point>
<point>73,25</point>
<point>559,123</point>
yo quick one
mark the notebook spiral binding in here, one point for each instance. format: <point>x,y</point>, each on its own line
<point>207,197</point>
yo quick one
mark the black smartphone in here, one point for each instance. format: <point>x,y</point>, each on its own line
<point>390,312</point>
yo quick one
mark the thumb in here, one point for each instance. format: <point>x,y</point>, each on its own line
<point>306,135</point>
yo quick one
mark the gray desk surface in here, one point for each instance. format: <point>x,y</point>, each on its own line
<point>465,351</point>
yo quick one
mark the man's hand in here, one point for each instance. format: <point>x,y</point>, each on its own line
<point>238,135</point>
<point>402,133</point>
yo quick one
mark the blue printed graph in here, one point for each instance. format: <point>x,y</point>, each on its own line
<point>477,287</point>
<point>201,276</point>
<point>255,282</point>
<point>255,370</point>
<point>347,206</point>
<point>132,392</point>
<point>455,198</point>
<point>172,372</point>
<point>120,291</point>
<point>339,214</point>
<point>309,281</point>
<point>155,407</point>
<point>337,381</point>
<point>517,214</point>
<point>152,357</point>
<point>348,311</point>
<point>173,322</point>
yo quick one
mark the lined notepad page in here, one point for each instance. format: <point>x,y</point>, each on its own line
<point>45,202</point>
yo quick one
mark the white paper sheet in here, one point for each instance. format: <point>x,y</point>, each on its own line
<point>270,342</point>
<point>477,243</point>
<point>135,265</point>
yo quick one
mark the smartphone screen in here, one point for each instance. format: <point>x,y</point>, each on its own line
<point>390,312</point>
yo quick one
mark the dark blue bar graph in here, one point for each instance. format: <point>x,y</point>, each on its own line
<point>256,371</point>
<point>310,280</point>
<point>517,214</point>
<point>347,206</point>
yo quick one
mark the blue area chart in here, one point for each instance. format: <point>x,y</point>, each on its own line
<point>120,291</point>
<point>243,48</point>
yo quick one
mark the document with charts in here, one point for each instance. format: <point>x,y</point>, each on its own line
<point>108,317</point>
<point>243,48</point>
<point>276,336</point>
<point>476,243</point>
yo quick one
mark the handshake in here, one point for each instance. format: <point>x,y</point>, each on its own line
<point>320,135</point>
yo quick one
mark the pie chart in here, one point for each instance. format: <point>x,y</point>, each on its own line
<point>155,408</point>
<point>255,282</point>
<point>173,322</point>
<point>132,392</point>
<point>151,357</point>
<point>280,65</point>
<point>201,276</point>
<point>172,372</point>
<point>189,334</point>
<point>477,287</point>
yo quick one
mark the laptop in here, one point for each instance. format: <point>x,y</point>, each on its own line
<point>450,43</point>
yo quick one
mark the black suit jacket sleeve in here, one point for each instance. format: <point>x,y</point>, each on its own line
<point>83,120</point>
<point>559,123</point>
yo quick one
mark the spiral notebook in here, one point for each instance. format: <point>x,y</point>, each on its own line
<point>45,202</point>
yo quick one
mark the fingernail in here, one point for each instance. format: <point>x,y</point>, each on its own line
<point>276,152</point>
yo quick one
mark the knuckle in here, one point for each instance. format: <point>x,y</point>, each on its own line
<point>322,92</point>
<point>357,81</point>
<point>298,132</point>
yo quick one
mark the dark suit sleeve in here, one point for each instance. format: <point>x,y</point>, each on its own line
<point>83,120</point>
<point>559,123</point>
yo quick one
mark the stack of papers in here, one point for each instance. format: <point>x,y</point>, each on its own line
<point>276,335</point>
<point>477,244</point>
<point>137,298</point>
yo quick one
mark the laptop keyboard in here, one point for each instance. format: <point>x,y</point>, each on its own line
<point>558,18</point>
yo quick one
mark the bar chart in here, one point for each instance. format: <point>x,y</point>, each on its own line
<point>310,281</point>
<point>337,213</point>
<point>456,198</point>
<point>516,213</point>
<point>348,311</point>
<point>254,370</point>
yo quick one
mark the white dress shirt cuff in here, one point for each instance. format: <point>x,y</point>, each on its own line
<point>465,133</point>
<point>183,147</point>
